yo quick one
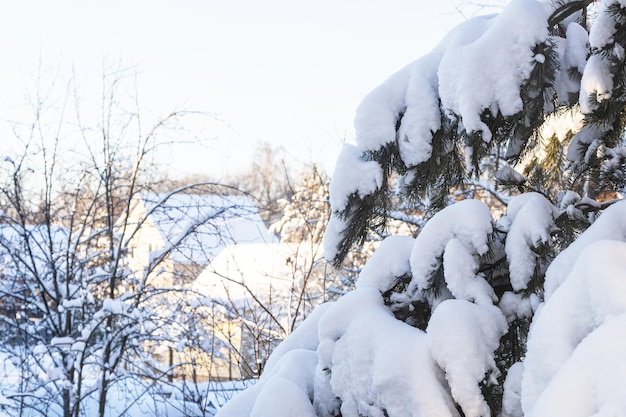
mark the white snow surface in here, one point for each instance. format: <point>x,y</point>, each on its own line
<point>512,395</point>
<point>387,264</point>
<point>610,225</point>
<point>577,48</point>
<point>353,175</point>
<point>468,221</point>
<point>591,382</point>
<point>597,81</point>
<point>603,28</point>
<point>303,337</point>
<point>531,217</point>
<point>463,337</point>
<point>377,115</point>
<point>460,269</point>
<point>332,235</point>
<point>596,84</point>
<point>422,116</point>
<point>480,65</point>
<point>581,141</point>
<point>289,390</point>
<point>573,52</point>
<point>379,363</point>
<point>593,294</point>
<point>487,73</point>
<point>516,305</point>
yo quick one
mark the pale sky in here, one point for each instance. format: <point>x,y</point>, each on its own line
<point>288,72</point>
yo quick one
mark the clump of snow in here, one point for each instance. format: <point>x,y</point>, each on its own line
<point>377,115</point>
<point>468,221</point>
<point>487,73</point>
<point>463,338</point>
<point>603,30</point>
<point>508,174</point>
<point>610,225</point>
<point>55,373</point>
<point>460,268</point>
<point>333,235</point>
<point>511,397</point>
<point>480,65</point>
<point>75,303</point>
<point>62,341</point>
<point>113,306</point>
<point>353,175</point>
<point>379,365</point>
<point>422,116</point>
<point>532,218</point>
<point>334,324</point>
<point>289,391</point>
<point>594,292</point>
<point>573,52</point>
<point>577,48</point>
<point>516,305</point>
<point>591,382</point>
<point>387,264</point>
<point>567,199</point>
<point>597,81</point>
<point>577,149</point>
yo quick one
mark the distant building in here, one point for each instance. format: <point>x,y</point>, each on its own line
<point>184,234</point>
<point>188,231</point>
<point>259,270</point>
<point>260,288</point>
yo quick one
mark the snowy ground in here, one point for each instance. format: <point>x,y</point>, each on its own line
<point>129,397</point>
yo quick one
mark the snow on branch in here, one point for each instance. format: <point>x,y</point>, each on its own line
<point>610,225</point>
<point>468,223</point>
<point>463,338</point>
<point>356,190</point>
<point>480,66</point>
<point>376,364</point>
<point>592,296</point>
<point>531,218</point>
<point>353,176</point>
<point>387,264</point>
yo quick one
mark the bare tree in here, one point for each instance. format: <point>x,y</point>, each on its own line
<point>76,317</point>
<point>267,180</point>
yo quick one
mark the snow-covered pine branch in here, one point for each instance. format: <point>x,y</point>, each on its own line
<point>489,310</point>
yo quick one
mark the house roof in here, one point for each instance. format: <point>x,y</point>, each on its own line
<point>240,270</point>
<point>201,225</point>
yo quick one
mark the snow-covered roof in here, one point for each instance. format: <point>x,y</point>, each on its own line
<point>210,222</point>
<point>244,269</point>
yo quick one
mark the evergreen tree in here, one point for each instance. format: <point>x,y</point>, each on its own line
<point>524,111</point>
